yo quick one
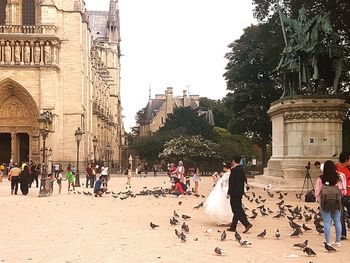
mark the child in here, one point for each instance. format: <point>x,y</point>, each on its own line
<point>188,180</point>
<point>70,178</point>
<point>196,180</point>
<point>59,181</point>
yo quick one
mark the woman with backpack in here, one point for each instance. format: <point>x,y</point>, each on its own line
<point>328,192</point>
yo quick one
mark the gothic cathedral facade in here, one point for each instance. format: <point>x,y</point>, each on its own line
<point>57,57</point>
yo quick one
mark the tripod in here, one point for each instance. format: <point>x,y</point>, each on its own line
<point>307,181</point>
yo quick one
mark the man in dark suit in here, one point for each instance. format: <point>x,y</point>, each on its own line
<point>235,193</point>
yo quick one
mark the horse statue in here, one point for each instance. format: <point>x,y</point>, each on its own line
<point>313,57</point>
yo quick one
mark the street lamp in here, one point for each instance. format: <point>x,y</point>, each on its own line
<point>94,143</point>
<point>78,135</point>
<point>44,121</point>
<point>108,147</point>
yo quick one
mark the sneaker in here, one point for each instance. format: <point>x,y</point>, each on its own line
<point>337,244</point>
<point>343,238</point>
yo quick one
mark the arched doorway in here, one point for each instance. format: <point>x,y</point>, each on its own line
<point>18,123</point>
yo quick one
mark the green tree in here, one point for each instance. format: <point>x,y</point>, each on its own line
<point>220,111</point>
<point>252,58</point>
<point>187,121</point>
<point>193,150</point>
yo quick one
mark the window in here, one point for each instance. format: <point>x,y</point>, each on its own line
<point>28,12</point>
<point>2,12</point>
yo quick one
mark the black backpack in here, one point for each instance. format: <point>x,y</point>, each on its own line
<point>330,198</point>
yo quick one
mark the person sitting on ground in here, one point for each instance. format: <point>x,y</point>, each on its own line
<point>99,190</point>
<point>179,188</point>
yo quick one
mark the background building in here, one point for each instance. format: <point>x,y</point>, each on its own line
<point>157,110</point>
<point>57,57</point>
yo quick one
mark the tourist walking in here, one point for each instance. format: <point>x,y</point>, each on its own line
<point>89,176</point>
<point>146,168</point>
<point>329,184</point>
<point>217,206</point>
<point>196,179</point>
<point>235,192</point>
<point>180,172</point>
<point>128,174</point>
<point>24,180</point>
<point>70,178</point>
<point>344,173</point>
<point>34,172</point>
<point>155,170</point>
<point>104,174</point>
<point>59,181</point>
<point>13,176</point>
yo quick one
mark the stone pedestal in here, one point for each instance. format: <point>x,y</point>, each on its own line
<point>303,129</point>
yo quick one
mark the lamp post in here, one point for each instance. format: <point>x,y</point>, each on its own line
<point>44,121</point>
<point>78,135</point>
<point>94,143</point>
<point>108,147</point>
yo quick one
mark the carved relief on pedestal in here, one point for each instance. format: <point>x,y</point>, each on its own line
<point>37,52</point>
<point>7,53</point>
<point>17,53</point>
<point>26,53</point>
<point>47,53</point>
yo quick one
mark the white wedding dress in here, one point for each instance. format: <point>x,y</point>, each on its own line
<point>217,206</point>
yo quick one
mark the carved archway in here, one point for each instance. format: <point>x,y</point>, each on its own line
<point>19,116</point>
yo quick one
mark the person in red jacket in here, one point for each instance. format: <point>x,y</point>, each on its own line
<point>343,170</point>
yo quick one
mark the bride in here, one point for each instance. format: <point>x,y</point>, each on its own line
<point>217,206</point>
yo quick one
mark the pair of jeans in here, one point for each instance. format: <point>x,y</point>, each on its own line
<point>335,216</point>
<point>238,212</point>
<point>14,184</point>
<point>346,204</point>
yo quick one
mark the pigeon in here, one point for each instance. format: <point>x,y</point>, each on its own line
<point>175,214</point>
<point>277,234</point>
<point>198,206</point>
<point>180,202</point>
<point>177,233</point>
<point>223,236</point>
<point>309,251</point>
<point>296,233</point>
<point>277,216</point>
<point>185,217</point>
<point>253,216</point>
<point>262,234</point>
<point>238,236</point>
<point>302,245</point>
<point>306,228</point>
<point>175,220</point>
<point>185,228</point>
<point>195,239</point>
<point>319,229</point>
<point>244,243</point>
<point>183,237</point>
<point>280,203</point>
<point>172,222</point>
<point>153,226</point>
<point>329,248</point>
<point>218,251</point>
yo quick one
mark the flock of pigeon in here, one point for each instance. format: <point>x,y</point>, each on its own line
<point>297,218</point>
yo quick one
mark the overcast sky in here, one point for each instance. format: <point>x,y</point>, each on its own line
<point>175,43</point>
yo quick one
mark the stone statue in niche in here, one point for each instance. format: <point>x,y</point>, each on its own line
<point>47,53</point>
<point>26,53</point>
<point>37,52</point>
<point>17,53</point>
<point>7,53</point>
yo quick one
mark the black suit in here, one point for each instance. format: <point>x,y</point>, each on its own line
<point>236,191</point>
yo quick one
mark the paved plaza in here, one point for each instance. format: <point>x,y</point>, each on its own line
<point>82,228</point>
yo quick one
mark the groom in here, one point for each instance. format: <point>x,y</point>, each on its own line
<point>235,193</point>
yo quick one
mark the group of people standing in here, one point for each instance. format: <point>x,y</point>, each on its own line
<point>23,175</point>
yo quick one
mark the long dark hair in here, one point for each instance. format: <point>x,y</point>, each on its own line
<point>330,175</point>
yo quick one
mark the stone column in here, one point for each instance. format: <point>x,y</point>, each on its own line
<point>13,146</point>
<point>42,53</point>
